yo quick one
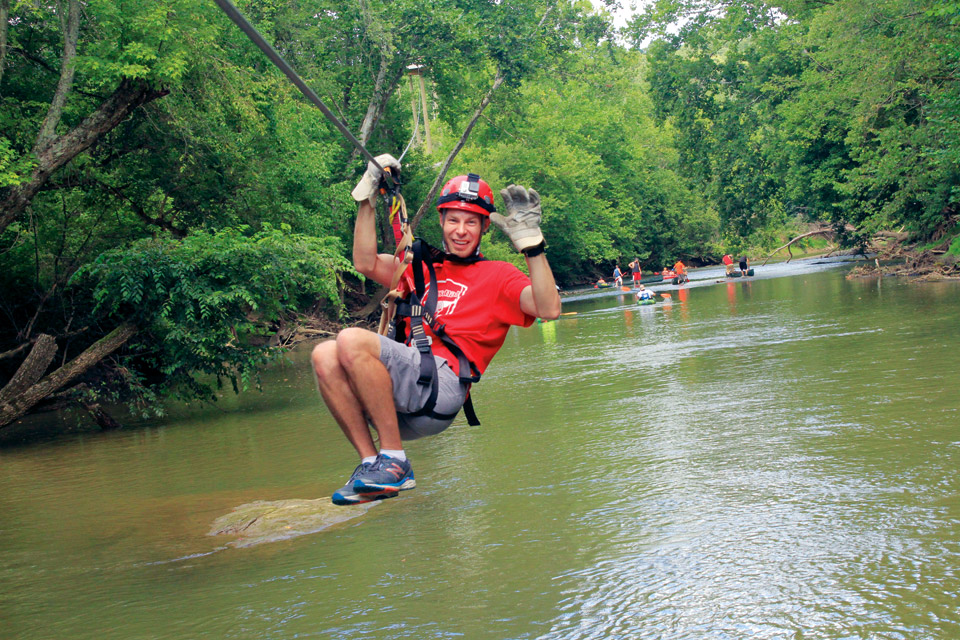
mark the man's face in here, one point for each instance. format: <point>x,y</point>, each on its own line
<point>462,231</point>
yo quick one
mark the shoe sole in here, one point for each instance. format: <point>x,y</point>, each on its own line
<point>345,501</point>
<point>367,489</point>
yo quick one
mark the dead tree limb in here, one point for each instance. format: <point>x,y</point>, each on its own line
<point>816,232</point>
<point>821,231</point>
<point>21,404</point>
<point>31,369</point>
<point>105,421</point>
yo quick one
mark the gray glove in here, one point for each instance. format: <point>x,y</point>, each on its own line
<point>366,189</point>
<point>522,222</point>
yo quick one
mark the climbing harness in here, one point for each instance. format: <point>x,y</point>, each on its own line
<point>407,316</point>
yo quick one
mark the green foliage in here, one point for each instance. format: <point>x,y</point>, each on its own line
<point>207,305</point>
<point>606,174</point>
<point>845,112</point>
<point>212,213</point>
<point>954,249</point>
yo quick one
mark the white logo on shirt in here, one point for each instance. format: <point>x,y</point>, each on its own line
<point>449,293</point>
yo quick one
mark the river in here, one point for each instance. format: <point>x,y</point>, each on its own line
<point>765,458</point>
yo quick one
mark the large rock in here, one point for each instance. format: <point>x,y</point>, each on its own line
<point>262,521</point>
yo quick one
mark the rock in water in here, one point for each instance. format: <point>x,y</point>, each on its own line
<point>263,521</point>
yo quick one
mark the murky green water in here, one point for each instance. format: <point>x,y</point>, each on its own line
<point>765,459</point>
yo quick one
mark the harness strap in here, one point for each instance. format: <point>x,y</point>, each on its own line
<point>419,306</point>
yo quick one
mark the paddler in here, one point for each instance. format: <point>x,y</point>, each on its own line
<point>369,380</point>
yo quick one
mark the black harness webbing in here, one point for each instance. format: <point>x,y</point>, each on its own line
<point>421,306</point>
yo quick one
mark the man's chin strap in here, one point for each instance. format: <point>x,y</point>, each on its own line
<point>452,257</point>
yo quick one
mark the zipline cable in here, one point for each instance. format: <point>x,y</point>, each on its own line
<point>234,14</point>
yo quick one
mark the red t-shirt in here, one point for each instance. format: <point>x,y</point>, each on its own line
<point>478,303</point>
<point>728,259</point>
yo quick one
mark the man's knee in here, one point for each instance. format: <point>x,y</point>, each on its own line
<point>355,343</point>
<point>324,359</point>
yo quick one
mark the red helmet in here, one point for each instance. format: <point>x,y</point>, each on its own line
<point>468,193</point>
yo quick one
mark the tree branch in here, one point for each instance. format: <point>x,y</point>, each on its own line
<point>159,221</point>
<point>32,367</point>
<point>62,149</point>
<point>453,153</point>
<point>71,32</point>
<point>20,405</point>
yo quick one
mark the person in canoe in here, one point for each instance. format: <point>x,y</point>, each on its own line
<point>643,294</point>
<point>455,314</point>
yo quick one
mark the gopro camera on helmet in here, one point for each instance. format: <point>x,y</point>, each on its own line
<point>470,188</point>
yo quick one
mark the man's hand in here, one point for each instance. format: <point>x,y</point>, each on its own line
<point>522,222</point>
<point>366,189</point>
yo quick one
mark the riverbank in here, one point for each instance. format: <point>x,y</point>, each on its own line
<point>918,266</point>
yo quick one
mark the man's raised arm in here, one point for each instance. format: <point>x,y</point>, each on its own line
<point>522,226</point>
<point>379,267</point>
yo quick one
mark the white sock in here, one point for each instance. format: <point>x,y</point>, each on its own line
<point>396,454</point>
<point>368,460</point>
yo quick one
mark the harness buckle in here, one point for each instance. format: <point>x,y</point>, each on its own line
<point>423,343</point>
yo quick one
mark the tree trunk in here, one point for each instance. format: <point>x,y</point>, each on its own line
<point>20,405</point>
<point>71,31</point>
<point>374,109</point>
<point>62,149</point>
<point>31,369</point>
<point>4,23</point>
<point>383,89</point>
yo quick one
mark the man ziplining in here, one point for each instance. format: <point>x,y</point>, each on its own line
<point>454,317</point>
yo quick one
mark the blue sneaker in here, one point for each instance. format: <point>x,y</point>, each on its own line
<point>345,495</point>
<point>385,474</point>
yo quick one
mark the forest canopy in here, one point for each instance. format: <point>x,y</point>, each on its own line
<point>171,205</point>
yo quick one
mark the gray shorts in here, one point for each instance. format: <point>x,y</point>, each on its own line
<point>403,363</point>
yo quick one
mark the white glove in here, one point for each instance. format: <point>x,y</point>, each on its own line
<point>366,189</point>
<point>522,222</point>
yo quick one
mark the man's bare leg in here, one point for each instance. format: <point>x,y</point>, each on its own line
<point>355,384</point>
